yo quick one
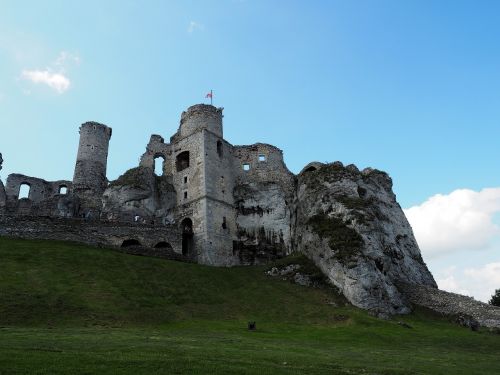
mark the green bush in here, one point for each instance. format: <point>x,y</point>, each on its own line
<point>495,298</point>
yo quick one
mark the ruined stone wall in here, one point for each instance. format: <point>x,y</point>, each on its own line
<point>189,183</point>
<point>44,197</point>
<point>220,213</point>
<point>39,188</point>
<point>104,234</point>
<point>451,304</point>
<point>263,192</point>
<point>265,163</point>
<point>89,180</point>
<point>157,148</point>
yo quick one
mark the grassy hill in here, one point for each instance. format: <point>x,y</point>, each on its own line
<point>67,308</point>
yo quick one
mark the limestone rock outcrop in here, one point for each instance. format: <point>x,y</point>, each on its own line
<point>263,221</point>
<point>139,195</point>
<point>349,223</point>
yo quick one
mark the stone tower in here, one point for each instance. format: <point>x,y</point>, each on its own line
<point>89,180</point>
<point>203,179</point>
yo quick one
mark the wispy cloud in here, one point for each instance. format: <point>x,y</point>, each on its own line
<point>56,81</point>
<point>195,26</point>
<point>54,76</point>
<point>461,220</point>
<point>65,58</point>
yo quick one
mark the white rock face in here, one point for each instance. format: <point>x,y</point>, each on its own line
<point>139,195</point>
<point>349,223</point>
<point>263,221</point>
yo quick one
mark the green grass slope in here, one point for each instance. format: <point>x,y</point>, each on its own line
<point>67,308</point>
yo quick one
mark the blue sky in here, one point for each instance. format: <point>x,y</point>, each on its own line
<point>410,87</point>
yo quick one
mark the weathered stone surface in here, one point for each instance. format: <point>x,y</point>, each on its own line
<point>103,234</point>
<point>139,196</point>
<point>349,223</point>
<point>467,309</point>
<point>263,222</point>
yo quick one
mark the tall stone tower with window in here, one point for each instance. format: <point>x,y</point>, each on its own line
<point>89,179</point>
<point>204,181</point>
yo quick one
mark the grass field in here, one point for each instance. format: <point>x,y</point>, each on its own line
<point>72,309</point>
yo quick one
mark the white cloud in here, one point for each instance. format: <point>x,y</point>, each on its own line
<point>193,26</point>
<point>56,81</point>
<point>461,220</point>
<point>480,282</point>
<point>55,76</point>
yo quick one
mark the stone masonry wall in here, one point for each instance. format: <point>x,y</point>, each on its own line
<point>451,304</point>
<point>103,234</point>
<point>157,148</point>
<point>89,179</point>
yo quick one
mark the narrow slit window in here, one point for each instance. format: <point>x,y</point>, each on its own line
<point>185,195</point>
<point>185,179</point>
<point>219,148</point>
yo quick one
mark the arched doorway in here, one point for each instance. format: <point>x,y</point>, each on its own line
<point>163,245</point>
<point>187,237</point>
<point>130,242</point>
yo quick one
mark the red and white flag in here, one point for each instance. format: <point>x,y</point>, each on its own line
<point>209,95</point>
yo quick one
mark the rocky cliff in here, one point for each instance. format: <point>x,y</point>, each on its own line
<point>349,223</point>
<point>139,195</point>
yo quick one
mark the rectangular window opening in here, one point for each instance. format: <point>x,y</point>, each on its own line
<point>185,195</point>
<point>262,157</point>
<point>185,179</point>
<point>246,167</point>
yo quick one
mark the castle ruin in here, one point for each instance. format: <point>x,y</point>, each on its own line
<point>214,203</point>
<point>222,205</point>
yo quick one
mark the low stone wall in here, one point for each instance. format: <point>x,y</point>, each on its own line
<point>95,233</point>
<point>452,304</point>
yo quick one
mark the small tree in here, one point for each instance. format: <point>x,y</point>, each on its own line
<point>495,298</point>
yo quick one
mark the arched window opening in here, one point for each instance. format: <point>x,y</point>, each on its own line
<point>187,237</point>
<point>24,191</point>
<point>182,161</point>
<point>163,245</point>
<point>219,148</point>
<point>63,189</point>
<point>159,163</point>
<point>130,242</point>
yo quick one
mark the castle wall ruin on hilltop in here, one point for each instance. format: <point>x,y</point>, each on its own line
<point>215,203</point>
<point>224,205</point>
